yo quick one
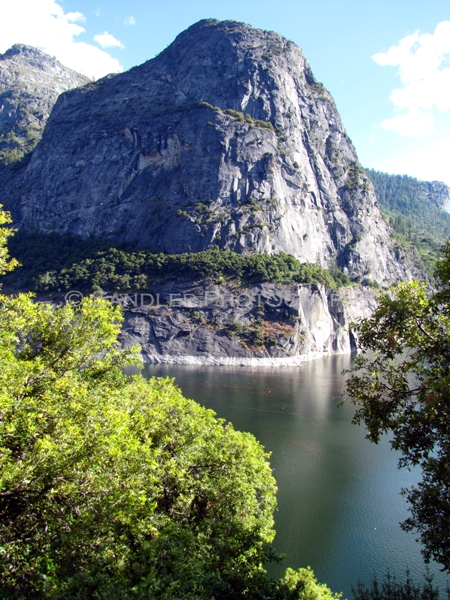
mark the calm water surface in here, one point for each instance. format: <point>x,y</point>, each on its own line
<point>338,495</point>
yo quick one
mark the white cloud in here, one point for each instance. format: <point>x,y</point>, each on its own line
<point>106,40</point>
<point>128,21</point>
<point>415,123</point>
<point>45,25</point>
<point>422,61</point>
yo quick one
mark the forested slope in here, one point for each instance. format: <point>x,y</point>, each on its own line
<point>417,210</point>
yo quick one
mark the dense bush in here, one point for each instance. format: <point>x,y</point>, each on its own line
<point>117,487</point>
<point>57,263</point>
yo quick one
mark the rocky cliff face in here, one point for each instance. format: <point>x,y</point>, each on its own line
<point>30,83</point>
<point>438,193</point>
<point>225,138</point>
<point>265,325</point>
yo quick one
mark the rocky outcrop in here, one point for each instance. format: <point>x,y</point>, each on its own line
<point>438,193</point>
<point>30,83</point>
<point>410,196</point>
<point>224,138</point>
<point>266,325</point>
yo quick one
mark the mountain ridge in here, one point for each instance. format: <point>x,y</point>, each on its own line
<point>30,83</point>
<point>389,186</point>
<point>225,138</point>
<point>418,213</point>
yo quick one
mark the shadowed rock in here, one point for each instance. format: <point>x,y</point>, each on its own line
<point>224,138</point>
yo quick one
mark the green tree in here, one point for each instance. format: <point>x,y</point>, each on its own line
<point>116,487</point>
<point>401,384</point>
<point>6,264</point>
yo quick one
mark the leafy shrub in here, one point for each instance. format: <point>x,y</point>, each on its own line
<point>117,487</point>
<point>58,263</point>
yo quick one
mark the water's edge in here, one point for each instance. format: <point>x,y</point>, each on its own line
<point>339,505</point>
<point>265,325</point>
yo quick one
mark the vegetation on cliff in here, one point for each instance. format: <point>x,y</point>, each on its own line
<point>58,263</point>
<point>113,486</point>
<point>415,209</point>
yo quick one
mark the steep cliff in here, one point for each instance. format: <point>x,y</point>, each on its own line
<point>224,138</point>
<point>30,83</point>
<point>265,325</point>
<point>438,193</point>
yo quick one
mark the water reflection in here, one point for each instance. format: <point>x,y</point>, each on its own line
<point>338,499</point>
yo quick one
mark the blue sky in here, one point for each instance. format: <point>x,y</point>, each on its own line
<point>396,107</point>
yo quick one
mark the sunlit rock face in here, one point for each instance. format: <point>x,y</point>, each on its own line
<point>30,83</point>
<point>261,325</point>
<point>224,138</point>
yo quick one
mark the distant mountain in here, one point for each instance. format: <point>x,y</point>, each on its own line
<point>225,138</point>
<point>414,199</point>
<point>30,83</point>
<point>417,210</point>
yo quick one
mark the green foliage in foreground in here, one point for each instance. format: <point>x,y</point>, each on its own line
<point>115,487</point>
<point>403,387</point>
<point>6,263</point>
<point>391,589</point>
<point>57,263</point>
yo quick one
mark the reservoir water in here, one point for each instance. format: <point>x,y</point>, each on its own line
<point>339,506</point>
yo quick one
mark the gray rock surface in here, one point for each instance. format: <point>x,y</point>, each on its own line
<point>224,138</point>
<point>30,83</point>
<point>266,325</point>
<point>438,193</point>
